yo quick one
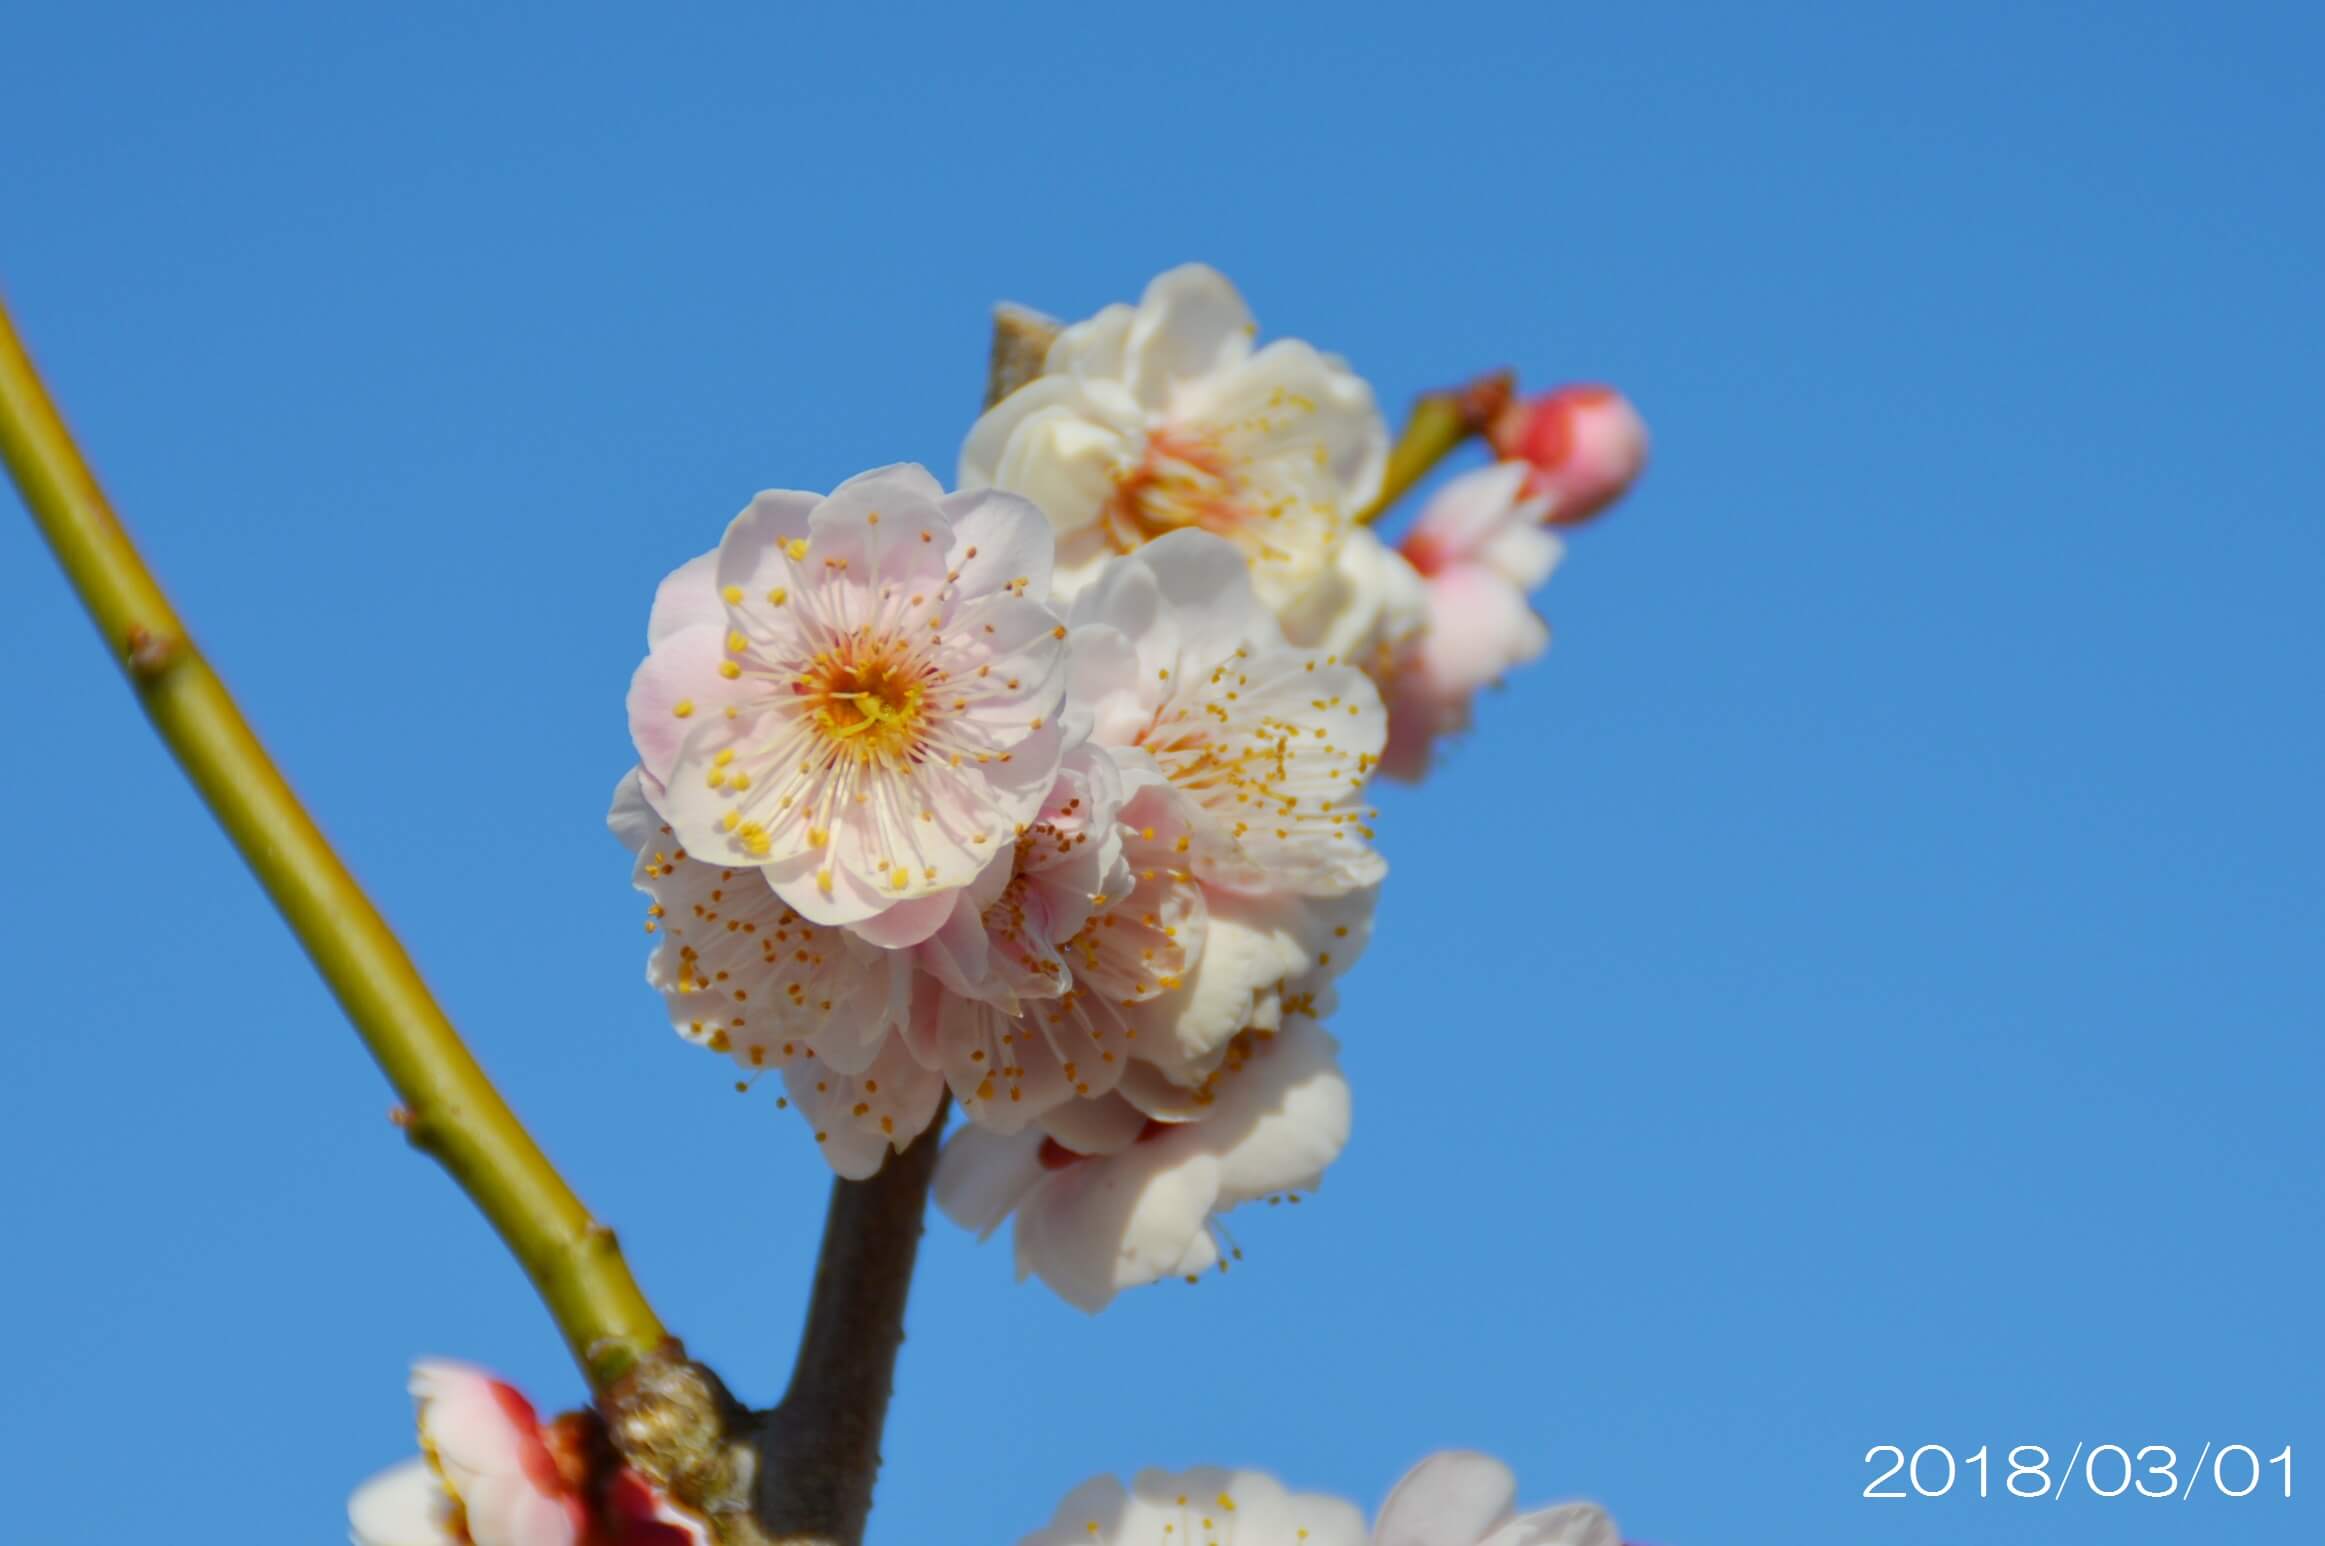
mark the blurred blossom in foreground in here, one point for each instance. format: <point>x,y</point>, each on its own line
<point>1480,549</point>
<point>1452,1499</point>
<point>492,1475</point>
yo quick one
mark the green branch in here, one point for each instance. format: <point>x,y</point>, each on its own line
<point>1441,423</point>
<point>451,1109</point>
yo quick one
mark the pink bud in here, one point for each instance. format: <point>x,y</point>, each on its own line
<point>1585,445</point>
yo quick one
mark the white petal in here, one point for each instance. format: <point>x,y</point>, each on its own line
<point>402,1506</point>
<point>1450,1499</point>
<point>1000,540</point>
<point>1093,1514</point>
<point>1567,1524</point>
<point>1103,1225</point>
<point>983,1175</point>
<point>1095,347</point>
<point>1191,324</point>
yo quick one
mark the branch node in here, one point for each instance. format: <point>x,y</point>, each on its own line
<point>150,655</point>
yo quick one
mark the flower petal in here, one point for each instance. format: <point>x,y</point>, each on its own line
<point>1190,324</point>
<point>1450,1499</point>
<point>401,1506</point>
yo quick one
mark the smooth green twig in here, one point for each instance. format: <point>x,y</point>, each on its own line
<point>450,1109</point>
<point>1440,424</point>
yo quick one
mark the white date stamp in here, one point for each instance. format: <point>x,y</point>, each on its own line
<point>2102,1470</point>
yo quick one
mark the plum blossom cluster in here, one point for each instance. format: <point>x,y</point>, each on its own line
<point>1051,792</point>
<point>491,1473</point>
<point>1456,1498</point>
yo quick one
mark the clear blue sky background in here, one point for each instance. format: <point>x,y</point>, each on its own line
<point>1862,988</point>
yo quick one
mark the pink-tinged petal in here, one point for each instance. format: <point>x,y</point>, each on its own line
<point>1568,1524</point>
<point>983,1175</point>
<point>1000,541</point>
<point>744,974</point>
<point>858,1119</point>
<point>906,924</point>
<point>1450,1499</point>
<point>402,1506</point>
<point>688,597</point>
<point>1190,324</point>
<point>1468,513</point>
<point>485,1441</point>
<point>678,689</point>
<point>1480,628</point>
<point>752,557</point>
<point>898,483</point>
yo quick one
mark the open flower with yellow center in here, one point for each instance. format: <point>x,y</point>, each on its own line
<point>856,696</point>
<point>1162,417</point>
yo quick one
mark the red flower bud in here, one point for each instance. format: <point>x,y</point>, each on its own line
<point>1584,444</point>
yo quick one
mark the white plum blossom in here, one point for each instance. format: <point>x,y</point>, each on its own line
<point>743,974</point>
<point>1030,984</point>
<point>1480,548</point>
<point>1163,417</point>
<point>856,696</point>
<point>1370,612</point>
<point>1461,1498</point>
<point>1112,1193</point>
<point>1206,1506</point>
<point>1455,1498</point>
<point>1173,655</point>
<point>491,1474</point>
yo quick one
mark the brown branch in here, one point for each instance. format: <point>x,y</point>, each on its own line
<point>819,1449</point>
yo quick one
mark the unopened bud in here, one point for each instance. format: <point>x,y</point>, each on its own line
<point>1583,444</point>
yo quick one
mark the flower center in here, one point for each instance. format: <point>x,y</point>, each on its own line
<point>1186,478</point>
<point>865,696</point>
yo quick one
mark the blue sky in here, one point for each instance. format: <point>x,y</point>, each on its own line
<point>1862,988</point>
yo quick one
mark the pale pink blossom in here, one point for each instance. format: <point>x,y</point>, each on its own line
<point>1479,548</point>
<point>1124,1190</point>
<point>1163,417</point>
<point>856,696</point>
<point>742,974</point>
<point>493,1475</point>
<point>1174,656</point>
<point>1028,986</point>
<point>1583,447</point>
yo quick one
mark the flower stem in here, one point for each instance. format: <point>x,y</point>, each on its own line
<point>1441,423</point>
<point>451,1109</point>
